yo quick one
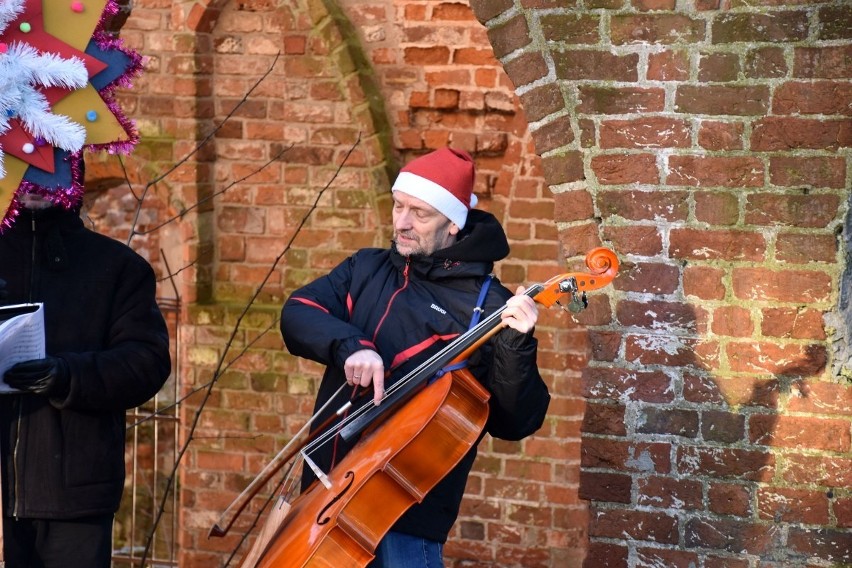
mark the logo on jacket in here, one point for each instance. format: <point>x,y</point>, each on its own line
<point>438,309</point>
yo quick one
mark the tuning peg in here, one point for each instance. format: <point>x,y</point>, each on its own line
<point>578,304</point>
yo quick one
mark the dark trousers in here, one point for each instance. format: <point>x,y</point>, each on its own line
<point>44,543</point>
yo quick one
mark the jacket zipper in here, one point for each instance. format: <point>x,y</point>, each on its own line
<point>395,294</point>
<point>16,490</point>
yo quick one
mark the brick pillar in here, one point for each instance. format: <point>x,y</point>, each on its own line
<point>709,148</point>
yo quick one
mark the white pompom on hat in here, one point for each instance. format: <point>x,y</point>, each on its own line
<point>443,179</point>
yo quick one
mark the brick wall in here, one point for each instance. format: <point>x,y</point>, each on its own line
<point>710,147</point>
<point>695,418</point>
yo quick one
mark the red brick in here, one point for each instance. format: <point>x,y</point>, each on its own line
<point>719,135</point>
<point>571,206</point>
<point>701,389</point>
<point>713,171</point>
<point>542,101</point>
<point>579,239</point>
<point>635,525</point>
<point>655,132</point>
<point>724,427</point>
<point>785,26</point>
<point>604,419</point>
<point>704,282</point>
<point>807,211</point>
<point>760,357</point>
<point>488,9</point>
<point>719,67</point>
<point>717,208</point>
<point>648,5</point>
<point>657,29</point>
<point>735,536</point>
<point>788,133</point>
<point>581,28</point>
<point>748,390</point>
<point>647,277</point>
<point>420,56</point>
<point>765,63</point>
<point>722,99</point>
<point>734,321</point>
<point>526,68</point>
<point>830,62</point>
<point>834,22</point>
<point>729,499</point>
<point>842,508</point>
<point>819,397</point>
<point>609,100</point>
<point>668,66</point>
<point>813,171</point>
<point>509,36</point>
<point>642,240</point>
<point>595,65</point>
<point>648,386</point>
<point>553,135</point>
<point>666,492</point>
<point>726,463</point>
<point>604,486</point>
<point>620,169</point>
<point>604,345</point>
<point>830,544</point>
<point>799,286</point>
<point>793,323</point>
<point>671,351</point>
<point>819,97</point>
<point>800,432</point>
<point>658,315</point>
<point>606,555</point>
<point>669,421</point>
<point>563,168</point>
<point>788,505</point>
<point>701,244</point>
<point>643,205</point>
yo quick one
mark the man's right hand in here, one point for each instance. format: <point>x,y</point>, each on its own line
<point>364,367</point>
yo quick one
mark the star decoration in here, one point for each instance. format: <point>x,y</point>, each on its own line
<point>58,72</point>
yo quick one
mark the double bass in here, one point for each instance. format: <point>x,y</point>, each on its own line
<point>427,422</point>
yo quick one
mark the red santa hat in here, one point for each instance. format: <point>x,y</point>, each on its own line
<point>444,180</point>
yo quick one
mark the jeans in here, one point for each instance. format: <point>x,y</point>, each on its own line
<point>398,550</point>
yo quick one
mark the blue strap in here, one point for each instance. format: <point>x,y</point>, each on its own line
<point>477,313</point>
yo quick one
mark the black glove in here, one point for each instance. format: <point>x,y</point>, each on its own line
<point>47,376</point>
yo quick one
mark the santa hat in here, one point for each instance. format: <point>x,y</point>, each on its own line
<point>444,180</point>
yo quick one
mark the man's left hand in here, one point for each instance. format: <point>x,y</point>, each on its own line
<point>47,377</point>
<point>521,312</point>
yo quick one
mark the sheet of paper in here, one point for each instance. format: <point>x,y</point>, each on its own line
<point>21,337</point>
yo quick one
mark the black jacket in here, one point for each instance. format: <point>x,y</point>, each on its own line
<point>64,459</point>
<point>407,309</point>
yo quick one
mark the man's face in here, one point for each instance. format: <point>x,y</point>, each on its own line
<point>419,228</point>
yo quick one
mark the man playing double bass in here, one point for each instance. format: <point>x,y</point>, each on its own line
<point>381,312</point>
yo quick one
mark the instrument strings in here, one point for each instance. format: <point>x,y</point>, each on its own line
<point>444,355</point>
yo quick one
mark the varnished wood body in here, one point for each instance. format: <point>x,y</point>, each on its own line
<point>388,471</point>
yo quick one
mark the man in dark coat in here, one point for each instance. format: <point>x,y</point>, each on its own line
<point>62,430</point>
<point>386,311</point>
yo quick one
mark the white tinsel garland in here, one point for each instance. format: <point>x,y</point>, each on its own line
<point>23,69</point>
<point>9,11</point>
